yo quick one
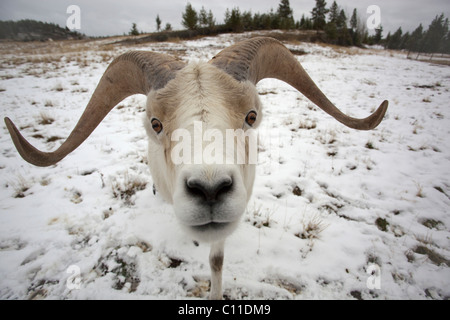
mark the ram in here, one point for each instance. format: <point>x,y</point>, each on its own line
<point>208,198</point>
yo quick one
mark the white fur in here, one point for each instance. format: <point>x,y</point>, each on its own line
<point>201,92</point>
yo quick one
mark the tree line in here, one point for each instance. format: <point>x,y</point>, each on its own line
<point>436,39</point>
<point>332,22</point>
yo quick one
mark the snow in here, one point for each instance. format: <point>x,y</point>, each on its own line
<point>361,198</point>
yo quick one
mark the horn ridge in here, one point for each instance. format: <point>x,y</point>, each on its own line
<point>134,72</point>
<point>263,57</point>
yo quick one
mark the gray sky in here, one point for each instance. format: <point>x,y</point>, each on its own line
<point>106,17</point>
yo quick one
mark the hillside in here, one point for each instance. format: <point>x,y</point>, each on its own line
<point>31,30</point>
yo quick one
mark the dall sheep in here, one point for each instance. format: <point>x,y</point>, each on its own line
<point>208,198</point>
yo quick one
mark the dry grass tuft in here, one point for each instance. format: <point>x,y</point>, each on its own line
<point>127,188</point>
<point>20,186</point>
<point>312,228</point>
<point>45,119</point>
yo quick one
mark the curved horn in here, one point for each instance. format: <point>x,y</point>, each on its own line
<point>259,58</point>
<point>130,73</point>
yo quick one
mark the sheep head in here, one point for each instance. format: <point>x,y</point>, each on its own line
<point>220,95</point>
<point>209,187</point>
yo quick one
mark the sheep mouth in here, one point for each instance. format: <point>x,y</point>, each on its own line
<point>211,226</point>
<point>212,231</point>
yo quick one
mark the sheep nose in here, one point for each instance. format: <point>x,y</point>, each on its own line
<point>207,191</point>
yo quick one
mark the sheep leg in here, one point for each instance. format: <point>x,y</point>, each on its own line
<point>216,263</point>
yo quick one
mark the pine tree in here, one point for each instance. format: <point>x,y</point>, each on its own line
<point>274,20</point>
<point>302,22</point>
<point>378,35</point>
<point>446,47</point>
<point>285,14</point>
<point>387,40</point>
<point>233,20</point>
<point>332,32</point>
<point>344,37</point>
<point>355,33</point>
<point>211,22</point>
<point>305,23</point>
<point>247,20</point>
<point>334,13</point>
<point>284,9</point>
<point>158,23</point>
<point>190,18</point>
<point>435,36</point>
<point>319,15</point>
<point>394,41</point>
<point>404,40</point>
<point>331,27</point>
<point>415,40</point>
<point>134,31</point>
<point>354,20</point>
<point>203,17</point>
<point>266,21</point>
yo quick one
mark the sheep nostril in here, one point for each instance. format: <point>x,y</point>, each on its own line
<point>208,192</point>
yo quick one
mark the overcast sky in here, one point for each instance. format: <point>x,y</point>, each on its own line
<point>106,17</point>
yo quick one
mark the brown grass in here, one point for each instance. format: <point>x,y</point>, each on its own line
<point>18,53</point>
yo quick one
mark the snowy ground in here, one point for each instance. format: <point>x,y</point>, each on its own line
<point>336,213</point>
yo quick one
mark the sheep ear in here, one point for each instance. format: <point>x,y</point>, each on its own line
<point>131,73</point>
<point>259,58</point>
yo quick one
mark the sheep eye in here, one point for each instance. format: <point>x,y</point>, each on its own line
<point>250,118</point>
<point>157,125</point>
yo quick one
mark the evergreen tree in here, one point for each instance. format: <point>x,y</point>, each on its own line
<point>415,40</point>
<point>404,40</point>
<point>203,17</point>
<point>395,40</point>
<point>446,47</point>
<point>334,13</point>
<point>275,21</point>
<point>305,23</point>
<point>266,21</point>
<point>378,35</point>
<point>247,20</point>
<point>190,18</point>
<point>355,33</point>
<point>331,27</point>
<point>344,37</point>
<point>319,15</point>
<point>233,20</point>
<point>284,9</point>
<point>332,32</point>
<point>211,22</point>
<point>342,20</point>
<point>256,21</point>
<point>387,40</point>
<point>285,14</point>
<point>301,23</point>
<point>158,23</point>
<point>134,31</point>
<point>436,34</point>
<point>354,20</point>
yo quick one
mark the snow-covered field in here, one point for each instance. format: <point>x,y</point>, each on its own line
<point>335,213</point>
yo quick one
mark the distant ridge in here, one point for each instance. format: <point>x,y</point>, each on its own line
<point>31,30</point>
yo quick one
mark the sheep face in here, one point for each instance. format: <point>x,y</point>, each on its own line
<point>194,165</point>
